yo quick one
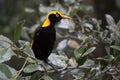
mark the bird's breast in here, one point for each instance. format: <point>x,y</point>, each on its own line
<point>47,38</point>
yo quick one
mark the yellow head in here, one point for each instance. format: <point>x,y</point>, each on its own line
<point>54,17</point>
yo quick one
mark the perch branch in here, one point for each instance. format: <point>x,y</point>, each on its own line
<point>19,72</point>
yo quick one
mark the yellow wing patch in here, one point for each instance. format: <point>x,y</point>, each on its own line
<point>31,43</point>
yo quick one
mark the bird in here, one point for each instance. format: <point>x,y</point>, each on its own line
<point>45,35</point>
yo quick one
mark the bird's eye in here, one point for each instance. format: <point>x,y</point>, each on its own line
<point>57,15</point>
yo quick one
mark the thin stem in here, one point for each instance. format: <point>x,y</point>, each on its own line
<point>19,72</point>
<point>29,56</point>
<point>66,68</point>
<point>24,52</point>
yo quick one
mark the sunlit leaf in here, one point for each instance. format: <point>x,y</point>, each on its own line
<point>89,63</point>
<point>79,75</point>
<point>5,71</point>
<point>90,50</point>
<point>83,37</point>
<point>3,76</point>
<point>106,58</point>
<point>46,77</point>
<point>57,60</point>
<point>32,67</point>
<point>3,38</point>
<point>96,23</point>
<point>25,45</point>
<point>78,55</point>
<point>73,62</point>
<point>79,52</point>
<point>28,50</point>
<point>17,31</point>
<point>88,25</point>
<point>6,54</point>
<point>110,20</point>
<point>5,42</point>
<point>63,56</point>
<point>30,60</point>
<point>115,47</point>
<point>62,44</point>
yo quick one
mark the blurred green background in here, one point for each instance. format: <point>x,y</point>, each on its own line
<point>12,11</point>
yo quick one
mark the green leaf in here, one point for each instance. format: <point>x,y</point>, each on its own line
<point>46,77</point>
<point>82,60</point>
<point>5,42</point>
<point>25,45</point>
<point>28,50</point>
<point>3,38</point>
<point>110,20</point>
<point>115,47</point>
<point>84,37</point>
<point>78,74</point>
<point>32,67</point>
<point>36,76</point>
<point>30,60</point>
<point>93,72</point>
<point>57,60</point>
<point>79,52</point>
<point>4,69</point>
<point>90,50</point>
<point>117,59</point>
<point>107,58</point>
<point>17,31</point>
<point>6,54</point>
<point>111,23</point>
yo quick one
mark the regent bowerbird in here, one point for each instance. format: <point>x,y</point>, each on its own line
<point>45,35</point>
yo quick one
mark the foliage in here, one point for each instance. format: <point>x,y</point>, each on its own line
<point>84,50</point>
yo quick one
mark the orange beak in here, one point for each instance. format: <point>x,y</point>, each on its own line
<point>66,17</point>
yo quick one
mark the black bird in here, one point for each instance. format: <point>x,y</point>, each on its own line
<point>45,35</point>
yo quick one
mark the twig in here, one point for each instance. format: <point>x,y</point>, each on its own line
<point>77,16</point>
<point>114,77</point>
<point>29,56</point>
<point>60,70</point>
<point>66,68</point>
<point>19,72</point>
<point>48,72</point>
<point>24,52</point>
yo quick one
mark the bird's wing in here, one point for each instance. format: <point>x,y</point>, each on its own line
<point>36,35</point>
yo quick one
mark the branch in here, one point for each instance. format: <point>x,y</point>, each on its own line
<point>66,68</point>
<point>29,56</point>
<point>58,70</point>
<point>18,49</point>
<point>20,69</point>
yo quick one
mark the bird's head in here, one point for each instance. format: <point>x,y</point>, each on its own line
<point>53,17</point>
